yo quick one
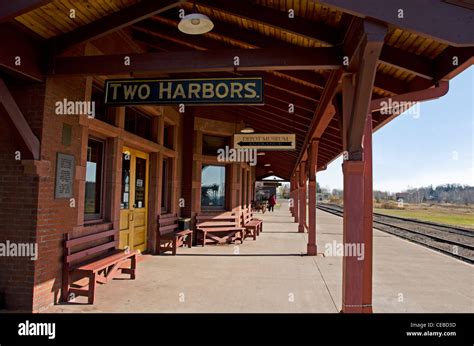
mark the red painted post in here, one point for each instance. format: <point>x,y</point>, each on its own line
<point>312,163</point>
<point>357,237</point>
<point>296,197</point>
<point>368,215</point>
<point>302,196</point>
<point>291,197</point>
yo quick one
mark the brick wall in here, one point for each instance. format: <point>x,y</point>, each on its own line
<point>18,197</point>
<point>57,216</point>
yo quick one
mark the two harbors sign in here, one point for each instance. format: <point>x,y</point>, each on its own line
<point>202,91</point>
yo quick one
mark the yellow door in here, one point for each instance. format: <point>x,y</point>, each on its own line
<point>134,200</point>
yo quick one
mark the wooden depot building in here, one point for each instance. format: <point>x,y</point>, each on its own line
<point>113,113</point>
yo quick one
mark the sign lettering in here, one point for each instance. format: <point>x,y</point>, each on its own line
<point>204,91</point>
<point>265,141</point>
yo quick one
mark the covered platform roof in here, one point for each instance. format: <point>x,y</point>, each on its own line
<point>301,48</point>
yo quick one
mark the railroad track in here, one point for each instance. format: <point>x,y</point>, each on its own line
<point>453,241</point>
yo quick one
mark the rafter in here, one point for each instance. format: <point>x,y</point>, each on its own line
<point>113,22</point>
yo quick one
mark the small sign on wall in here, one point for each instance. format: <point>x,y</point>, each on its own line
<point>265,141</point>
<point>64,176</point>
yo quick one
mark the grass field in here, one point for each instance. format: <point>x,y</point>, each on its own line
<point>445,214</point>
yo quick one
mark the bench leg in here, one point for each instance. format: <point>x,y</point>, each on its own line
<point>175,245</point>
<point>203,239</point>
<point>190,240</point>
<point>255,233</point>
<point>66,285</point>
<point>92,286</point>
<point>133,267</point>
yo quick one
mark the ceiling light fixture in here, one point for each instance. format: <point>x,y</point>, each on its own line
<point>247,129</point>
<point>195,23</point>
<point>267,165</point>
<point>261,153</point>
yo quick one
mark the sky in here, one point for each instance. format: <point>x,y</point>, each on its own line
<point>433,147</point>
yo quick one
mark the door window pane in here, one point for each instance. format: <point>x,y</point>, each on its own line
<point>125,201</point>
<point>140,182</point>
<point>164,187</point>
<point>213,187</point>
<point>93,195</point>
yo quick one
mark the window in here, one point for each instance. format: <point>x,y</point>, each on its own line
<point>213,187</point>
<point>125,196</point>
<point>140,182</point>
<point>93,195</point>
<point>165,186</point>
<point>210,144</point>
<point>138,123</point>
<point>102,112</point>
<point>168,136</point>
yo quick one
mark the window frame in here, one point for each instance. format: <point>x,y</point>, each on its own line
<point>97,217</point>
<point>225,190</point>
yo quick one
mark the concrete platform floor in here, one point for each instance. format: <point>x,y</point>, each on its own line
<point>271,275</point>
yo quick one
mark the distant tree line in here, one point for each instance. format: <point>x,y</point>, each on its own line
<point>448,193</point>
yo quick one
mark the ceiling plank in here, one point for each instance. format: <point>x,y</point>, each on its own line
<point>232,35</point>
<point>455,19</point>
<point>10,9</point>
<point>113,22</point>
<point>275,19</point>
<point>162,31</point>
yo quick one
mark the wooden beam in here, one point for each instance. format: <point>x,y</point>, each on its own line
<point>19,53</point>
<point>372,43</point>
<point>15,8</point>
<point>115,21</point>
<point>275,93</point>
<point>200,61</point>
<point>415,96</point>
<point>153,33</point>
<point>440,21</point>
<point>244,39</point>
<point>406,61</point>
<point>324,112</point>
<point>19,121</point>
<point>392,56</point>
<point>453,61</point>
<point>275,19</point>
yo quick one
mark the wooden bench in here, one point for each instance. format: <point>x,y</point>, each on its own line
<point>97,258</point>
<point>222,228</point>
<point>260,230</point>
<point>170,236</point>
<point>252,226</point>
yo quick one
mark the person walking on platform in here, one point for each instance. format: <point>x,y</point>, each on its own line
<point>271,202</point>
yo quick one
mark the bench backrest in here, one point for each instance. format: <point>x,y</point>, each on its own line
<point>246,216</point>
<point>227,219</point>
<point>82,249</point>
<point>167,223</point>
